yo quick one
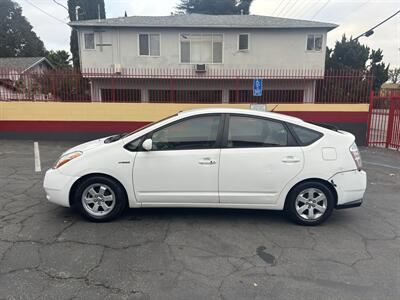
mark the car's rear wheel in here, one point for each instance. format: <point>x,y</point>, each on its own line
<point>310,203</point>
<point>100,199</point>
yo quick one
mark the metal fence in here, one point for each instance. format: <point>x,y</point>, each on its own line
<point>185,86</point>
<point>384,122</point>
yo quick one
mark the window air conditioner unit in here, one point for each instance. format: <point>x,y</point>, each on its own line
<point>200,68</point>
<point>117,69</point>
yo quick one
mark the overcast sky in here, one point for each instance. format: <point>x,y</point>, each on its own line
<point>353,16</point>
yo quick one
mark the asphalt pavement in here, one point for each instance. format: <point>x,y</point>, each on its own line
<point>50,252</point>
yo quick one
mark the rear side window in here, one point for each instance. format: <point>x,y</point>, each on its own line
<point>248,132</point>
<point>306,136</point>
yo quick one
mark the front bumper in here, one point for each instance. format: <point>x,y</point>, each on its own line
<point>58,186</point>
<point>350,187</point>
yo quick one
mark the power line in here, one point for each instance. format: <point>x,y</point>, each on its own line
<point>303,11</point>
<point>60,4</point>
<point>371,31</point>
<point>322,7</point>
<point>356,9</point>
<point>276,8</point>
<point>283,8</point>
<point>291,7</point>
<point>45,12</point>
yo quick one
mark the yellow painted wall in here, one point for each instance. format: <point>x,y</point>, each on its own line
<point>140,112</point>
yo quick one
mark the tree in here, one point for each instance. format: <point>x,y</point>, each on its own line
<point>89,10</point>
<point>215,7</point>
<point>59,59</point>
<point>394,75</point>
<point>378,68</point>
<point>347,54</point>
<point>351,55</point>
<point>17,38</point>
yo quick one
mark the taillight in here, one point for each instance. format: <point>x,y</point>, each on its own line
<point>356,156</point>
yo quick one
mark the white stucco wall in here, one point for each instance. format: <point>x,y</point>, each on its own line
<point>269,49</point>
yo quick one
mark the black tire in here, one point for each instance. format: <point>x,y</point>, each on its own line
<point>109,187</point>
<point>293,207</point>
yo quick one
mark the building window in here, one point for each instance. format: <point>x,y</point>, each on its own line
<point>185,96</point>
<point>243,42</point>
<point>89,41</point>
<point>314,42</point>
<point>268,96</point>
<point>120,95</point>
<point>149,44</point>
<point>201,48</point>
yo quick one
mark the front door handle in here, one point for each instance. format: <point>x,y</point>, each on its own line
<point>207,161</point>
<point>290,159</point>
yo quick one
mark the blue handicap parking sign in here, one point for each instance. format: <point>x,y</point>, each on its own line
<point>257,87</point>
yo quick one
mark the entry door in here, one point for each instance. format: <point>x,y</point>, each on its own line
<point>182,166</point>
<point>258,161</point>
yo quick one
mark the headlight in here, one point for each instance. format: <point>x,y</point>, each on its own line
<point>66,158</point>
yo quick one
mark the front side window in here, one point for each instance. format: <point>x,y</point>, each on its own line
<point>314,42</point>
<point>201,48</point>
<point>192,133</point>
<point>89,41</point>
<point>243,42</point>
<point>149,44</point>
<point>249,132</point>
<point>134,145</point>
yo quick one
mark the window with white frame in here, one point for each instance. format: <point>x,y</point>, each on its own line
<point>314,42</point>
<point>201,48</point>
<point>243,42</point>
<point>89,41</point>
<point>149,44</point>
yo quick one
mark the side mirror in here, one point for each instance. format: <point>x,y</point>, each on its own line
<point>147,145</point>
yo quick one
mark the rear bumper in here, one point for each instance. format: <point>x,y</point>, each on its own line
<point>355,203</point>
<point>350,187</point>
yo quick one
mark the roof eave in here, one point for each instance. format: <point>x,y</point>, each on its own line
<point>43,59</point>
<point>74,25</point>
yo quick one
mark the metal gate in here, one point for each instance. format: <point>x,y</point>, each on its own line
<point>384,122</point>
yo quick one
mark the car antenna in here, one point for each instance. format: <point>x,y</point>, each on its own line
<point>274,107</point>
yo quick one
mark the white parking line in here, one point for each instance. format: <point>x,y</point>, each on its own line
<point>36,152</point>
<point>381,165</point>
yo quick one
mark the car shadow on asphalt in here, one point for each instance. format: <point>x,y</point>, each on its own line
<point>206,215</point>
<point>212,214</point>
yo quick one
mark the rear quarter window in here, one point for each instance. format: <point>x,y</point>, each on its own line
<point>306,136</point>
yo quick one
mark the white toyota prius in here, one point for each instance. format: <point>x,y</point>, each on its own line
<point>220,158</point>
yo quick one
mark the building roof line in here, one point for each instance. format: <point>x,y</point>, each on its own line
<point>204,21</point>
<point>43,59</point>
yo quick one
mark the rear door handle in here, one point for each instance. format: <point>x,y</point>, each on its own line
<point>207,161</point>
<point>290,159</point>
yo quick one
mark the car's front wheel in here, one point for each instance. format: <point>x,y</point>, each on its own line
<point>100,199</point>
<point>310,203</point>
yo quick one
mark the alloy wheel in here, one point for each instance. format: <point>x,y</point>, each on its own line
<point>311,204</point>
<point>98,199</point>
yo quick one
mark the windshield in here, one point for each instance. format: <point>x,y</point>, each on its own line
<point>148,125</point>
<point>119,136</point>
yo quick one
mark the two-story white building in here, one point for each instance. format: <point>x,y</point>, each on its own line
<point>201,58</point>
